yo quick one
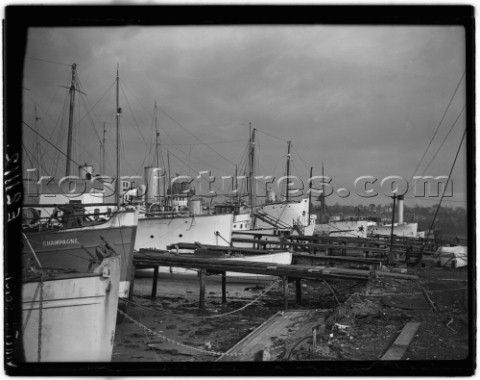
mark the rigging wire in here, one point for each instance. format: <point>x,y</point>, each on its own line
<point>438,126</point>
<point>217,142</point>
<point>190,133</point>
<point>47,61</point>
<point>444,190</point>
<point>151,142</point>
<point>61,132</point>
<point>27,155</point>
<point>268,134</point>
<point>58,150</point>
<point>443,142</point>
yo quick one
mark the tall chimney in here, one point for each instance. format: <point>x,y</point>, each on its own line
<point>400,209</point>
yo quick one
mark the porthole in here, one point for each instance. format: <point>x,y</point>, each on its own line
<point>151,236</point>
<point>180,235</point>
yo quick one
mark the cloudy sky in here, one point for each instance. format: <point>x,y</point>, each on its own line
<point>364,100</point>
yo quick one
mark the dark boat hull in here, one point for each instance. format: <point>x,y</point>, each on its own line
<point>77,249</point>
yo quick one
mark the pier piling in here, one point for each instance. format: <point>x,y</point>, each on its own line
<point>201,273</point>
<point>224,287</point>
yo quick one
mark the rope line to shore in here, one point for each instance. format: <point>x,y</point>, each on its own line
<point>245,306</point>
<point>169,340</point>
<point>368,294</point>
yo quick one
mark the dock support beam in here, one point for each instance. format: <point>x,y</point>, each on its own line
<point>201,273</point>
<point>154,284</point>
<point>298,290</point>
<point>132,283</point>
<point>224,287</point>
<point>285,291</point>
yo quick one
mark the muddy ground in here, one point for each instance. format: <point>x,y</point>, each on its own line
<point>362,319</point>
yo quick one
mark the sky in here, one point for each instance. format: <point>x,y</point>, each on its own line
<point>362,100</point>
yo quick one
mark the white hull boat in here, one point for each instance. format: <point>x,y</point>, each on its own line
<point>75,248</point>
<point>453,257</point>
<point>71,317</point>
<point>158,233</point>
<point>273,258</point>
<point>347,228</point>
<point>401,230</point>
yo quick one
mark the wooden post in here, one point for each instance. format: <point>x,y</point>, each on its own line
<point>154,284</point>
<point>132,283</point>
<point>224,287</point>
<point>201,273</point>
<point>285,291</point>
<point>298,290</point>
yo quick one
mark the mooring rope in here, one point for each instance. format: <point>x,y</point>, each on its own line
<point>169,340</point>
<point>248,304</point>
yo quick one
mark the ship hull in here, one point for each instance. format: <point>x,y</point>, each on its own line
<point>158,233</point>
<point>77,319</point>
<point>355,228</point>
<point>404,230</point>
<point>289,214</point>
<point>76,248</point>
<point>284,258</point>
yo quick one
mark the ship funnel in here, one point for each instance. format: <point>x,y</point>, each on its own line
<point>195,207</point>
<point>85,171</point>
<point>270,196</point>
<point>152,179</point>
<point>400,209</point>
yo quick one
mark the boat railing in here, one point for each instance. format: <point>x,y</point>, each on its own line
<point>167,214</point>
<point>72,220</point>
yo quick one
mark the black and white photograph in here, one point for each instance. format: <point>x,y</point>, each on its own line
<point>239,190</point>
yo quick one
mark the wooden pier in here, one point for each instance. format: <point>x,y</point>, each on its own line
<point>318,243</point>
<point>151,258</point>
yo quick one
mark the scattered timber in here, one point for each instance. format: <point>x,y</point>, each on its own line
<point>289,325</point>
<point>400,345</point>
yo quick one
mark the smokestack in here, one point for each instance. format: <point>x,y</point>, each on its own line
<point>400,209</point>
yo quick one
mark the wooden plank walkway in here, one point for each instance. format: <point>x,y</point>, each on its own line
<point>398,348</point>
<point>308,258</point>
<point>151,257</point>
<point>282,326</point>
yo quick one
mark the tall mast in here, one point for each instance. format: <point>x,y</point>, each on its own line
<point>168,179</point>
<point>158,152</point>
<point>119,111</point>
<point>310,195</point>
<point>70,118</point>
<point>37,143</point>
<point>157,141</point>
<point>236,183</point>
<point>102,169</point>
<point>390,255</point>
<point>251,174</point>
<point>323,194</point>
<point>289,143</point>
